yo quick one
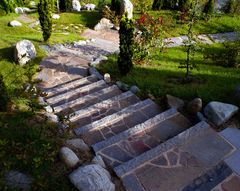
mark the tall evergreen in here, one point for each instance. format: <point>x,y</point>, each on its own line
<point>126,34</point>
<point>44,11</point>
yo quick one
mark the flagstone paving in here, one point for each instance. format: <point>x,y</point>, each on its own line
<point>149,150</point>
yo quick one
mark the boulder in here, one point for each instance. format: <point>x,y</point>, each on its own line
<point>77,144</point>
<point>89,7</point>
<point>174,102</point>
<point>122,86</point>
<point>48,109</point>
<point>194,106</point>
<point>55,16</point>
<point>134,89</point>
<point>98,160</point>
<point>104,24</point>
<point>18,180</point>
<point>218,113</point>
<point>15,24</point>
<point>76,5</point>
<point>107,78</point>
<point>24,52</point>
<point>26,10</point>
<point>127,6</point>
<point>51,117</point>
<point>68,157</point>
<point>91,178</point>
<point>19,10</point>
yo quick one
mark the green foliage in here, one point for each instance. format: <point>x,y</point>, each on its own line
<point>116,6</point>
<point>44,11</point>
<point>157,4</point>
<point>185,5</point>
<point>232,7</point>
<point>3,95</point>
<point>65,5</point>
<point>111,15</point>
<point>142,5</point>
<point>9,5</point>
<point>126,35</point>
<point>209,8</point>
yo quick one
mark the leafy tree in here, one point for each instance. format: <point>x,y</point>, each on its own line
<point>209,8</point>
<point>44,11</point>
<point>126,34</point>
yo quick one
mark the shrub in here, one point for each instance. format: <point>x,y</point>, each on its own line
<point>157,4</point>
<point>185,4</point>
<point>3,95</point>
<point>111,15</point>
<point>232,7</point>
<point>116,6</point>
<point>9,5</point>
<point>142,5</point>
<point>209,8</point>
<point>44,11</point>
<point>126,34</point>
<point>65,5</point>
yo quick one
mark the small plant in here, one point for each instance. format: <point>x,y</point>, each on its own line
<point>44,11</point>
<point>126,35</point>
<point>209,8</point>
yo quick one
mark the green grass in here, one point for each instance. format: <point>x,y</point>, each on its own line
<point>217,24</point>
<point>161,76</point>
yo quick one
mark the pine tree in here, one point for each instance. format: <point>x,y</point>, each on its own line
<point>44,11</point>
<point>126,34</point>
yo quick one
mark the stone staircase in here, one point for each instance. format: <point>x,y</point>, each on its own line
<point>148,149</point>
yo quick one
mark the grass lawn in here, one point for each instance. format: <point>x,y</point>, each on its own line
<point>217,24</point>
<point>160,76</point>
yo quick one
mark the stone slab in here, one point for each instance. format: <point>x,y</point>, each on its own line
<point>232,135</point>
<point>233,162</point>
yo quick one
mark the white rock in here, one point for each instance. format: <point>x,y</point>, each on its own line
<point>26,10</point>
<point>55,16</point>
<point>79,43</point>
<point>78,144</point>
<point>48,109</point>
<point>15,23</point>
<point>104,24</point>
<point>24,52</point>
<point>68,157</point>
<point>41,101</point>
<point>76,6</point>
<point>107,78</point>
<point>98,160</point>
<point>92,178</point>
<point>89,7</point>
<point>127,6</point>
<point>219,113</point>
<point>19,10</point>
<point>51,117</point>
<point>18,180</point>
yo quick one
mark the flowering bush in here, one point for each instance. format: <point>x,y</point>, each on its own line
<point>150,34</point>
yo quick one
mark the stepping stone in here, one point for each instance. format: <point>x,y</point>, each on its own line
<point>231,183</point>
<point>100,110</point>
<point>76,93</point>
<point>223,37</point>
<point>118,122</point>
<point>179,160</point>
<point>88,100</point>
<point>68,86</point>
<point>141,138</point>
<point>233,162</point>
<point>232,135</point>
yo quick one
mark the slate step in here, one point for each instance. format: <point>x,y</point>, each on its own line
<point>175,163</point>
<point>62,88</point>
<point>100,110</point>
<point>76,93</point>
<point>141,138</point>
<point>88,100</point>
<point>118,122</point>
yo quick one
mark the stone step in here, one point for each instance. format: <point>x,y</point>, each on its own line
<point>88,100</point>
<point>62,88</point>
<point>100,110</point>
<point>118,122</point>
<point>76,93</point>
<point>175,163</point>
<point>141,138</point>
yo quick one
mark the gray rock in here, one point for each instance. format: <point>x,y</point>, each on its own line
<point>24,52</point>
<point>174,102</point>
<point>194,106</point>
<point>18,180</point>
<point>134,89</point>
<point>76,5</point>
<point>93,71</point>
<point>48,109</point>
<point>122,86</point>
<point>15,24</point>
<point>92,178</point>
<point>219,113</point>
<point>41,101</point>
<point>55,16</point>
<point>89,7</point>
<point>104,24</point>
<point>79,43</point>
<point>98,60</point>
<point>107,78</point>
<point>98,160</point>
<point>19,10</point>
<point>78,144</point>
<point>51,117</point>
<point>68,157</point>
<point>127,6</point>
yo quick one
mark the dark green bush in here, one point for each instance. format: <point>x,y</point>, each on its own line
<point>126,34</point>
<point>232,7</point>
<point>157,4</point>
<point>209,8</point>
<point>3,95</point>
<point>116,6</point>
<point>65,5</point>
<point>44,11</point>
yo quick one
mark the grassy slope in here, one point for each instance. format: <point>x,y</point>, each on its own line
<point>158,77</point>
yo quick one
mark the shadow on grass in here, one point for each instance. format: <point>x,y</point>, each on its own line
<point>7,54</point>
<point>91,18</point>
